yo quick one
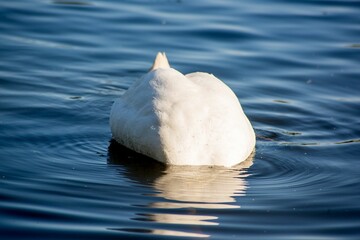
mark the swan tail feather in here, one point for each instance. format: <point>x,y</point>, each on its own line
<point>160,61</point>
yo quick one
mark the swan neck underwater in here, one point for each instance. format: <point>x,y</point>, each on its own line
<point>177,119</point>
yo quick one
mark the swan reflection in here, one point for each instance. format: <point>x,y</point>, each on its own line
<point>197,186</point>
<point>187,188</point>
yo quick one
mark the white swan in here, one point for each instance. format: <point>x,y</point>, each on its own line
<point>192,119</point>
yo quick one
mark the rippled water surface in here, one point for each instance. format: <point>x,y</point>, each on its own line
<point>294,65</point>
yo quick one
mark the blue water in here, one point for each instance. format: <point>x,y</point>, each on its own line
<point>294,65</point>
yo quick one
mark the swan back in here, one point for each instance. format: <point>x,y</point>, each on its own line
<point>192,119</point>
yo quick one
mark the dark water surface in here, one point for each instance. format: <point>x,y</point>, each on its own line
<point>295,66</point>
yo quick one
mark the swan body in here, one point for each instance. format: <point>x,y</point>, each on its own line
<point>192,119</point>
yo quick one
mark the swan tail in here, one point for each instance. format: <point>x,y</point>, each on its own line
<point>160,61</point>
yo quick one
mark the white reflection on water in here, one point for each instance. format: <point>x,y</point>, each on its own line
<point>187,188</point>
<point>208,187</point>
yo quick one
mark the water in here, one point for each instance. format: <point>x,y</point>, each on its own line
<point>294,66</point>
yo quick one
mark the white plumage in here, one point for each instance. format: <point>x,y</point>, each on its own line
<point>192,119</point>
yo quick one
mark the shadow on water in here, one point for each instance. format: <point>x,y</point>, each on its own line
<point>195,191</point>
<point>138,167</point>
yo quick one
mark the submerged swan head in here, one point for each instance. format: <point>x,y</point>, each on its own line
<point>192,119</point>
